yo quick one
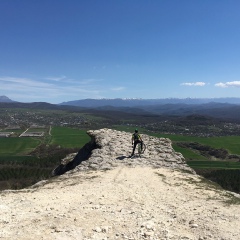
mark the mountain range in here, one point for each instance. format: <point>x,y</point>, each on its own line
<point>128,102</point>
<point>224,108</point>
<point>133,102</point>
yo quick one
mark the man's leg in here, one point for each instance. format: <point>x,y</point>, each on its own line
<point>134,147</point>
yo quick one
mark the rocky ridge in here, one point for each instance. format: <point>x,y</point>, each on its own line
<point>108,196</point>
<point>111,148</point>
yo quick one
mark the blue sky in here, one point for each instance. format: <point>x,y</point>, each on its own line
<point>63,50</point>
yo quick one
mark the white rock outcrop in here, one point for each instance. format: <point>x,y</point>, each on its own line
<point>113,148</point>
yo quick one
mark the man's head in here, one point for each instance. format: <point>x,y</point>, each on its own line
<point>136,130</point>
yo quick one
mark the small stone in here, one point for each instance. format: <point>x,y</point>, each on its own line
<point>148,234</point>
<point>96,207</point>
<point>194,225</point>
<point>148,225</point>
<point>97,229</point>
<point>105,229</point>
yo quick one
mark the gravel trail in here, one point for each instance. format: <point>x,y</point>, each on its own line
<point>122,203</point>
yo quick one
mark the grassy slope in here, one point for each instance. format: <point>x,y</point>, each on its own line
<point>63,136</point>
<point>17,146</point>
<point>187,153</point>
<point>214,164</point>
<point>69,137</point>
<point>231,143</point>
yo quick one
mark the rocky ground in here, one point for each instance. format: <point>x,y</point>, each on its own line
<point>110,148</point>
<point>138,198</point>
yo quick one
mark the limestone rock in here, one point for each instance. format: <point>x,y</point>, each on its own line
<point>110,148</point>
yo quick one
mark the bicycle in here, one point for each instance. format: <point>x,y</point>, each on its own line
<point>141,147</point>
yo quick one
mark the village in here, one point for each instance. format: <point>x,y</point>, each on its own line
<point>36,123</point>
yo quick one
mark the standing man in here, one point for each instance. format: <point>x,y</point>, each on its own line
<point>136,138</point>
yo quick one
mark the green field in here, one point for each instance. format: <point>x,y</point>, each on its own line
<point>230,143</point>
<point>69,137</point>
<point>214,164</point>
<point>63,136</point>
<point>17,146</point>
<point>188,153</point>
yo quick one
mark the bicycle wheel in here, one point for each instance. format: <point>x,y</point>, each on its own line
<point>140,148</point>
<point>143,148</point>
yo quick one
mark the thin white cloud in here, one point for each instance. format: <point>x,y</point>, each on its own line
<point>76,90</point>
<point>28,90</point>
<point>195,84</point>
<point>90,80</point>
<point>118,88</point>
<point>99,67</point>
<point>65,79</point>
<point>56,78</point>
<point>23,82</point>
<point>228,84</point>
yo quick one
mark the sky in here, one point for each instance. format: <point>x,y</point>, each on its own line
<point>62,50</point>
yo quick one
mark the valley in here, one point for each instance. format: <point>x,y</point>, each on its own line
<point>33,140</point>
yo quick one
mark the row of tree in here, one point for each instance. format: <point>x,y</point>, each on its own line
<point>17,173</point>
<point>228,179</point>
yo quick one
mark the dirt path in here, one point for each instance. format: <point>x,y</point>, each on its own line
<point>123,203</point>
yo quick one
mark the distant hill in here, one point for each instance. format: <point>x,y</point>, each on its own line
<point>224,108</point>
<point>37,105</point>
<point>5,99</point>
<point>216,110</point>
<point>114,108</point>
<point>121,102</point>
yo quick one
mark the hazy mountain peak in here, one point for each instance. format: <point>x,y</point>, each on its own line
<point>5,99</point>
<point>131,102</point>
